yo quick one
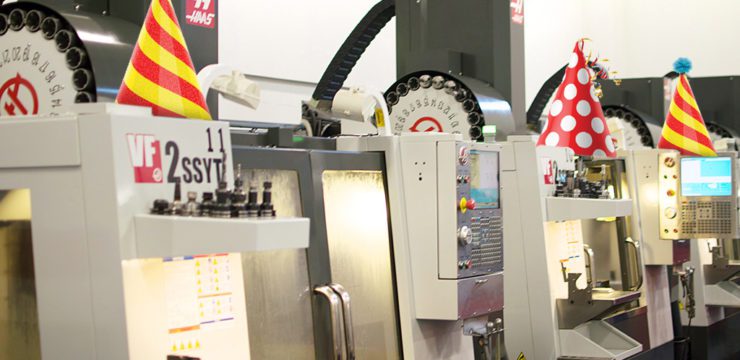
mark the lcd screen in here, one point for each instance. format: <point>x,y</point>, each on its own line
<point>706,176</point>
<point>484,182</point>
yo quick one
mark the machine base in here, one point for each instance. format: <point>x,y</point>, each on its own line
<point>662,352</point>
<point>717,341</point>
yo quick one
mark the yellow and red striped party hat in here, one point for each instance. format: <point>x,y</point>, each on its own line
<point>160,74</point>
<point>684,129</point>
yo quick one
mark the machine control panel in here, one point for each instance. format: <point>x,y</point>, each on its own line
<point>479,215</point>
<point>697,196</point>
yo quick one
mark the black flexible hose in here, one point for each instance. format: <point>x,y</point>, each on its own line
<point>543,97</point>
<point>352,49</point>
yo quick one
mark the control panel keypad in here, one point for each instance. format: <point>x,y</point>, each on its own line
<point>487,246</point>
<point>705,217</point>
<point>480,229</point>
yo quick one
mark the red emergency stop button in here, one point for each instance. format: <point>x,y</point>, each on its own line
<point>470,204</point>
<point>670,192</point>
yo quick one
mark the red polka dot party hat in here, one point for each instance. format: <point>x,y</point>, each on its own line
<point>575,119</point>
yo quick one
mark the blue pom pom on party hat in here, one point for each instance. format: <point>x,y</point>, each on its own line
<point>682,65</point>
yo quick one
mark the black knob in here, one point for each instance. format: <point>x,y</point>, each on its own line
<point>160,207</point>
<point>461,95</point>
<point>474,118</point>
<point>402,89</point>
<point>17,18</point>
<point>33,20</point>
<point>468,105</point>
<point>75,57</point>
<point>81,79</point>
<point>414,83</point>
<point>206,206</point>
<point>83,97</point>
<point>50,26</point>
<point>64,40</point>
<point>3,24</point>
<point>392,98</point>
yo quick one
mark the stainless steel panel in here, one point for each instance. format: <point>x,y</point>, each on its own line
<point>601,236</point>
<point>19,328</point>
<point>480,295</point>
<point>285,194</point>
<point>732,249</point>
<point>360,257</point>
<point>276,284</point>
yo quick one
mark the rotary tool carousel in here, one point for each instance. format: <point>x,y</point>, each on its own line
<point>430,101</point>
<point>48,63</point>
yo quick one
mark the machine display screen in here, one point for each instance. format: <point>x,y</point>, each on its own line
<point>484,180</point>
<point>706,176</point>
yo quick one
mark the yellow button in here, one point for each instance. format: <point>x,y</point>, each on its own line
<point>463,205</point>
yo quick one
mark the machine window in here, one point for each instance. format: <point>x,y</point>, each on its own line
<point>484,182</point>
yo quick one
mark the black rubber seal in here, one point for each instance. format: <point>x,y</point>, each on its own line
<point>352,49</point>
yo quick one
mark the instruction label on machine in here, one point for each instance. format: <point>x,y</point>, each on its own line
<point>187,306</point>
<point>566,239</point>
<point>198,290</point>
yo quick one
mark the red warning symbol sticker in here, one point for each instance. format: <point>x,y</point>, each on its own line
<point>426,124</point>
<point>18,97</point>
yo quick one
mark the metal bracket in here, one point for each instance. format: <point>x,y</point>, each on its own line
<point>578,296</point>
<point>484,331</point>
<point>721,268</point>
<point>582,305</point>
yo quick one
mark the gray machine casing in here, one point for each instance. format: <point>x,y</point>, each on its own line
<point>484,43</point>
<point>108,40</point>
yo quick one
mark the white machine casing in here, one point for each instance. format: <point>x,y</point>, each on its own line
<point>429,163</point>
<point>442,291</point>
<point>544,240</point>
<point>643,170</point>
<point>429,304</point>
<point>104,268</point>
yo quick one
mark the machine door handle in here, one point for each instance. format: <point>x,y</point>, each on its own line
<point>591,274</point>
<point>638,261</point>
<point>347,312</point>
<point>337,323</point>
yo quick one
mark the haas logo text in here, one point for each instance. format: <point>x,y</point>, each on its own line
<point>201,13</point>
